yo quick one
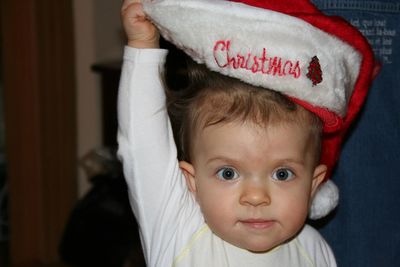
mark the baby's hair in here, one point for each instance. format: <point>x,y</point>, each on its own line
<point>198,98</point>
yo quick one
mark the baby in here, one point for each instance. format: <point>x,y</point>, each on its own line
<point>220,172</point>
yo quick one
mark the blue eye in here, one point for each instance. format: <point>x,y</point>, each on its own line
<point>283,174</point>
<point>227,173</point>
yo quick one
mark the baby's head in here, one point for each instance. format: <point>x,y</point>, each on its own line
<point>250,157</point>
<point>253,168</point>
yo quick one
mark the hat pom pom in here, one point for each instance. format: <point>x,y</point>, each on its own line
<point>325,200</point>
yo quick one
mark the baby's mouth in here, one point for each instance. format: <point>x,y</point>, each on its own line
<point>257,223</point>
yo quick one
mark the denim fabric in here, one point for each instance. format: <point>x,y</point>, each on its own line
<point>365,230</point>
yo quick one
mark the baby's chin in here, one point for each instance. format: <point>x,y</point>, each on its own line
<point>257,247</point>
<point>266,246</point>
<point>262,248</point>
<point>255,242</point>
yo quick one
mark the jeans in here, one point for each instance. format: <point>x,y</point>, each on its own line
<point>365,229</point>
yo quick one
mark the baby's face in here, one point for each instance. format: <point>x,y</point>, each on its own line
<point>254,185</point>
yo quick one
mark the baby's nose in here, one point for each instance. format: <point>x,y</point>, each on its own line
<point>255,193</point>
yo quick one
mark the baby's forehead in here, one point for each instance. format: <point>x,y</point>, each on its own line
<point>248,139</point>
<point>247,105</point>
<point>307,135</point>
<point>259,115</point>
<point>257,127</point>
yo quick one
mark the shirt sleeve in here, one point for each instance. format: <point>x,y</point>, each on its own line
<point>158,194</point>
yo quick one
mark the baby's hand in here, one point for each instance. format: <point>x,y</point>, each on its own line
<point>141,33</point>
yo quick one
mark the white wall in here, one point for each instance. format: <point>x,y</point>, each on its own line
<point>98,38</point>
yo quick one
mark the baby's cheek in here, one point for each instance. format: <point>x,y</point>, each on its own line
<point>211,211</point>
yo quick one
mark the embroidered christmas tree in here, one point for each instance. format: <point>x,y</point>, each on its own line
<point>314,71</point>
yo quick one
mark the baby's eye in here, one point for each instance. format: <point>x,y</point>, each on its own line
<point>227,173</point>
<point>283,174</point>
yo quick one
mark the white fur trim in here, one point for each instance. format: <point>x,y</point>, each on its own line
<point>196,26</point>
<point>325,200</point>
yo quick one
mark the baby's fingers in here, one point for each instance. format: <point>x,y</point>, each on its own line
<point>132,9</point>
<point>127,3</point>
<point>141,33</point>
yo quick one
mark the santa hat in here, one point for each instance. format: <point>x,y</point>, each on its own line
<point>320,62</point>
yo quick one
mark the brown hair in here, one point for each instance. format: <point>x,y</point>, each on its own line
<point>198,97</point>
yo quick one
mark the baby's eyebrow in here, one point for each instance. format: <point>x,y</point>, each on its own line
<point>296,161</point>
<point>224,159</point>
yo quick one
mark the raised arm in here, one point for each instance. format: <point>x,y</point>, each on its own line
<point>157,190</point>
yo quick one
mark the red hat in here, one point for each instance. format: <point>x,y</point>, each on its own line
<point>320,62</point>
<point>341,29</point>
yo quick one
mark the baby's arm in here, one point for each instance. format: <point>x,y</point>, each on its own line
<point>146,147</point>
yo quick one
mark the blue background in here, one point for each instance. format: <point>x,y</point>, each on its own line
<point>365,229</point>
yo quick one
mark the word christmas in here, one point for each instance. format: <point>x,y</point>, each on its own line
<point>275,66</point>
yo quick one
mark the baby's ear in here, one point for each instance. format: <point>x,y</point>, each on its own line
<point>318,177</point>
<point>189,173</point>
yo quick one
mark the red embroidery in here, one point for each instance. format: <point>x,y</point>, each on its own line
<point>314,71</point>
<point>275,66</point>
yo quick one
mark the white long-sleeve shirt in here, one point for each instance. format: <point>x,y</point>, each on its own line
<point>172,227</point>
